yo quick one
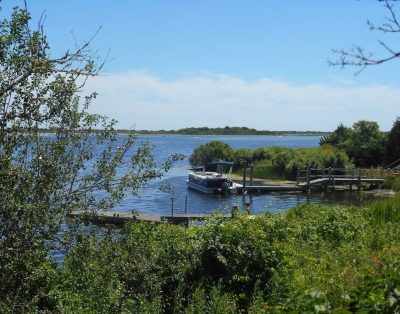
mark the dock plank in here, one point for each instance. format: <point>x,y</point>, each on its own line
<point>119,218</point>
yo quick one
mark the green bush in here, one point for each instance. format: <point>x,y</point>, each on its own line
<point>263,264</point>
<point>384,211</point>
<point>272,162</point>
<point>364,143</point>
<point>283,163</point>
<point>212,151</point>
<point>392,183</point>
<point>377,291</point>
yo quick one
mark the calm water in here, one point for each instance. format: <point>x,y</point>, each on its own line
<point>153,201</point>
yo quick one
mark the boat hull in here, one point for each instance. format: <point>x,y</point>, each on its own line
<point>202,188</point>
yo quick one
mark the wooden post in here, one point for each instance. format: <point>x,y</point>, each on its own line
<point>330,175</point>
<point>244,176</point>
<point>359,180</point>
<point>308,178</point>
<point>298,176</point>
<point>333,184</point>
<point>251,173</point>
<point>186,204</point>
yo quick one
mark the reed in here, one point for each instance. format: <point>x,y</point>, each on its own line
<point>384,211</point>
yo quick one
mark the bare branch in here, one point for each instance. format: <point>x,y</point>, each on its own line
<point>357,56</point>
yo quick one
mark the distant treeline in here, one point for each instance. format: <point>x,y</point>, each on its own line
<point>227,131</point>
<point>234,130</point>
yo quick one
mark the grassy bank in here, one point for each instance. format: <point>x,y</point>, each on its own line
<point>311,257</point>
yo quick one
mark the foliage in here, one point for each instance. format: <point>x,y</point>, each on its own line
<point>392,152</point>
<point>378,291</point>
<point>339,136</point>
<point>44,176</point>
<point>313,257</point>
<point>364,143</point>
<point>227,130</point>
<point>272,162</point>
<point>173,264</point>
<point>384,212</point>
<point>392,183</point>
<point>212,151</point>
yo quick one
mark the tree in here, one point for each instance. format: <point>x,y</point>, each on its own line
<point>392,152</point>
<point>340,135</point>
<point>81,165</point>
<point>366,144</point>
<point>357,56</point>
<point>212,151</point>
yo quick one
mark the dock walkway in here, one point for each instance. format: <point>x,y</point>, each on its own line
<point>119,217</point>
<point>311,178</point>
<point>342,181</point>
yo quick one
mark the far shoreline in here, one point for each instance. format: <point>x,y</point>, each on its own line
<point>178,134</point>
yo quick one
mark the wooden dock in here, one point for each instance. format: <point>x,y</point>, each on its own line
<point>313,178</point>
<point>352,181</point>
<point>120,218</point>
<point>252,189</point>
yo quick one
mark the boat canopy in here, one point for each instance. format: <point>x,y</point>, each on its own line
<point>220,163</point>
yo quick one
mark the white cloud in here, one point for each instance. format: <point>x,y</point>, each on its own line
<point>150,102</point>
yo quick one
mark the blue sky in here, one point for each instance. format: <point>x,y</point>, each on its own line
<point>260,64</point>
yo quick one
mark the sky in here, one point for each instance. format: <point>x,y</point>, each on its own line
<point>259,64</point>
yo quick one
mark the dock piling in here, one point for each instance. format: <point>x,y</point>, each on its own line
<point>308,178</point>
<point>251,173</point>
<point>244,175</point>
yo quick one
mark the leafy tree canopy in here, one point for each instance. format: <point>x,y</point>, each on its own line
<point>212,151</point>
<point>364,142</point>
<point>341,134</point>
<point>45,176</point>
<point>392,152</point>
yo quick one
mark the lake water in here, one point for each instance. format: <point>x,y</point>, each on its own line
<point>153,201</point>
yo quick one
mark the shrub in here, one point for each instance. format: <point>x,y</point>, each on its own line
<point>377,291</point>
<point>212,151</point>
<point>259,264</point>
<point>364,143</point>
<point>392,183</point>
<point>272,162</point>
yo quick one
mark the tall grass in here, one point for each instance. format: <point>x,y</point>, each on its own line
<point>385,211</point>
<point>392,183</point>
